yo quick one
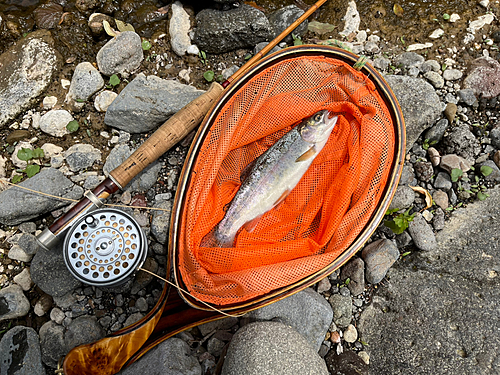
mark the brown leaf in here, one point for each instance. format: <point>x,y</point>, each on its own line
<point>398,10</point>
<point>428,196</point>
<point>254,4</point>
<point>48,15</point>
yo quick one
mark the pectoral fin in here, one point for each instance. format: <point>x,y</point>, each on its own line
<point>281,198</point>
<point>252,224</point>
<point>307,155</point>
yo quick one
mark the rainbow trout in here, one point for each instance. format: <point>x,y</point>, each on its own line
<point>269,179</point>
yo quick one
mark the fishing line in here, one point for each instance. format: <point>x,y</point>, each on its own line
<point>185,291</point>
<point>140,269</point>
<point>76,201</point>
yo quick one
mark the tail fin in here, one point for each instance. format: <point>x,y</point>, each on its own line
<point>215,239</point>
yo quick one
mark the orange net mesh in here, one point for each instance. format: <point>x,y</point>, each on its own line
<point>327,209</point>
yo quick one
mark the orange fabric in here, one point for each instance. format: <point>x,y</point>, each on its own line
<point>327,209</point>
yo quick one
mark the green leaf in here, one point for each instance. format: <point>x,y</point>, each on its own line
<point>347,281</point>
<point>146,45</point>
<point>114,80</point>
<point>209,75</point>
<point>456,173</point>
<point>25,154</point>
<point>32,170</point>
<point>391,211</point>
<point>482,196</point>
<point>80,100</point>
<point>297,40</point>
<point>394,227</point>
<point>446,16</point>
<point>486,170</point>
<point>405,254</point>
<point>17,178</point>
<point>72,126</point>
<point>38,153</point>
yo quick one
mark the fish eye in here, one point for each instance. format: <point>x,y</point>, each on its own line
<point>317,117</point>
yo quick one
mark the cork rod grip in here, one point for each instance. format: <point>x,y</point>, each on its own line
<point>167,135</point>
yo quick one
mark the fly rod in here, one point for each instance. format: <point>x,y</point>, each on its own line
<point>108,355</point>
<point>165,137</point>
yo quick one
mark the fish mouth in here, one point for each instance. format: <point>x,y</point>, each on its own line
<point>330,121</point>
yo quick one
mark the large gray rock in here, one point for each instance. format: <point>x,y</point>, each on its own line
<point>419,102</point>
<point>266,348</point>
<point>379,256</point>
<point>306,311</point>
<point>438,314</point>
<point>223,31</point>
<point>85,82</point>
<point>144,180</point>
<point>421,233</point>
<point>342,309</point>
<point>461,141</point>
<point>49,272</point>
<point>81,156</point>
<point>83,330</point>
<point>284,17</point>
<point>52,343</point>
<point>121,55</point>
<point>171,357</point>
<point>178,29</point>
<point>13,303</point>
<point>483,77</point>
<point>17,205</point>
<point>148,102</point>
<point>55,121</point>
<point>161,221</point>
<point>26,71</point>
<point>403,198</point>
<point>20,348</point>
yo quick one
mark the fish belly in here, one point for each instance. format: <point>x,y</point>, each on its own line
<point>275,174</point>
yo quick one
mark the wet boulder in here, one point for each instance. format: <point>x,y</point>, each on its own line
<point>223,31</point>
<point>17,206</point>
<point>147,102</point>
<point>26,71</point>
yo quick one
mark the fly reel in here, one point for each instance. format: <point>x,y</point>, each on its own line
<point>105,247</point>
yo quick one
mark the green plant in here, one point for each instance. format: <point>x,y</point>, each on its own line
<point>203,56</point>
<point>114,80</point>
<point>398,223</point>
<point>146,45</point>
<point>72,126</point>
<point>209,75</point>
<point>297,40</point>
<point>8,327</point>
<point>446,16</point>
<point>486,170</point>
<point>428,144</point>
<point>456,174</point>
<point>27,154</point>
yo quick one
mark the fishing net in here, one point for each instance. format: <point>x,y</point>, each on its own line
<point>322,215</point>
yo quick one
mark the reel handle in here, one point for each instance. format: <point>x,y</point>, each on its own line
<point>167,135</point>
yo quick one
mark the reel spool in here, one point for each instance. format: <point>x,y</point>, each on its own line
<point>105,247</point>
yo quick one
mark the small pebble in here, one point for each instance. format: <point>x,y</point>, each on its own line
<point>350,334</point>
